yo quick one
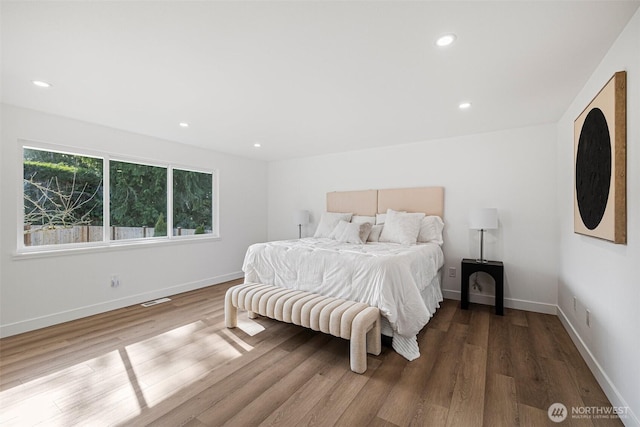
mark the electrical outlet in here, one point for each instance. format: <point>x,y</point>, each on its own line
<point>588,319</point>
<point>575,304</point>
<point>115,281</point>
<point>452,272</point>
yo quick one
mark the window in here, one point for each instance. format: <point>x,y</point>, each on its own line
<point>137,200</point>
<point>66,200</point>
<point>192,202</point>
<point>62,196</point>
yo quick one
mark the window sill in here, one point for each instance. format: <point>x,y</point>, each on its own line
<point>33,253</point>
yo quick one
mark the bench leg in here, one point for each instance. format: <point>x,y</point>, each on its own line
<point>230,311</point>
<point>358,352</point>
<point>374,339</point>
<point>252,315</point>
<point>364,326</point>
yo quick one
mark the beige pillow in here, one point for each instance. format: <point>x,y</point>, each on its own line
<point>365,230</point>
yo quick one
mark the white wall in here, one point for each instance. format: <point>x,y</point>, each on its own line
<point>603,276</point>
<point>514,171</point>
<point>37,292</point>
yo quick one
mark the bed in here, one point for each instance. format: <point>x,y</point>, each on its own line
<point>401,277</point>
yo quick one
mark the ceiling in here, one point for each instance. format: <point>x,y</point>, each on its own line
<point>304,77</point>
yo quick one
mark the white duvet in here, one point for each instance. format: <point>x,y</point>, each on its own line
<point>395,278</point>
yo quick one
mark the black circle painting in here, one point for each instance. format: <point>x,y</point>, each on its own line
<point>593,168</point>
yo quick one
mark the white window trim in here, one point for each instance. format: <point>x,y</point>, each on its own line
<point>25,252</point>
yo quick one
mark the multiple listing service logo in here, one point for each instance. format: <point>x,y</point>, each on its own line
<point>557,412</point>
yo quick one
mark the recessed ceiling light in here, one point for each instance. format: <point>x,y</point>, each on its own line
<point>257,145</point>
<point>464,105</point>
<point>446,40</point>
<point>184,124</point>
<point>40,83</point>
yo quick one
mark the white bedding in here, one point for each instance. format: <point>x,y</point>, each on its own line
<point>397,279</point>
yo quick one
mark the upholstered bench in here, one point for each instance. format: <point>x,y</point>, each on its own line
<point>354,321</point>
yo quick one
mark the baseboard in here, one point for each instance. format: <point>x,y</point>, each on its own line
<point>603,379</point>
<point>78,313</point>
<point>538,307</point>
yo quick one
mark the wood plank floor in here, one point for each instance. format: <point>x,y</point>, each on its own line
<point>176,364</point>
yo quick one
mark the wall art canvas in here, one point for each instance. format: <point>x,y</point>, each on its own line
<point>600,138</point>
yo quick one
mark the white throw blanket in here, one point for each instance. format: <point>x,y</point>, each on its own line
<point>389,276</point>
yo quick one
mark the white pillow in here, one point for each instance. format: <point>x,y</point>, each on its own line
<point>363,218</point>
<point>401,227</point>
<point>431,230</point>
<point>328,222</point>
<point>380,218</point>
<point>374,236</point>
<point>339,230</point>
<point>351,232</point>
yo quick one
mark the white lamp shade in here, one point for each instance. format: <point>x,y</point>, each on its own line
<point>483,219</point>
<point>301,217</point>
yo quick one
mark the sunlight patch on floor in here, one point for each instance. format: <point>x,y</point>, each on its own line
<point>60,398</point>
<point>250,327</point>
<point>188,382</point>
<point>130,379</point>
<point>235,339</point>
<point>30,411</point>
<point>164,377</point>
<point>172,352</point>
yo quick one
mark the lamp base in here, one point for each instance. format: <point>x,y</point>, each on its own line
<point>481,260</point>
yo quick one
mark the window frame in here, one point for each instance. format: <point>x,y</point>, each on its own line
<point>106,242</point>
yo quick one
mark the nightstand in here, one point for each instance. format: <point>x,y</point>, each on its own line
<point>493,268</point>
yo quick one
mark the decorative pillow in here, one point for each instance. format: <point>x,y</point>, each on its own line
<point>362,218</point>
<point>401,227</point>
<point>351,232</point>
<point>374,236</point>
<point>380,218</point>
<point>365,230</point>
<point>339,230</point>
<point>328,222</point>
<point>431,230</point>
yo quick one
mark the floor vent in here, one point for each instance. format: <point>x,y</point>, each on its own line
<point>155,301</point>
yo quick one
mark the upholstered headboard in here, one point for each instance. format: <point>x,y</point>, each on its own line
<point>357,202</point>
<point>429,200</point>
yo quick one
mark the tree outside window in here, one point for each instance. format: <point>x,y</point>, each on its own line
<point>192,202</point>
<point>137,200</point>
<point>62,196</point>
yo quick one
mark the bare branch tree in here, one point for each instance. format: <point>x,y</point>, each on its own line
<point>54,207</point>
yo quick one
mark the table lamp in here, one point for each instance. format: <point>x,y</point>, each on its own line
<point>483,219</point>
